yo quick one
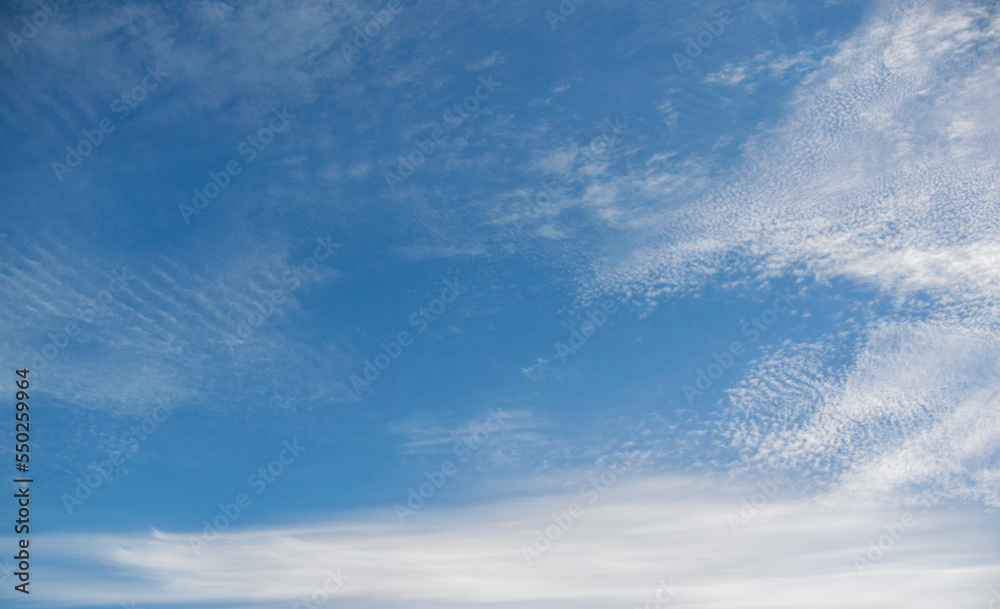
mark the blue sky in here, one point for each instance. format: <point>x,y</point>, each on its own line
<point>687,303</point>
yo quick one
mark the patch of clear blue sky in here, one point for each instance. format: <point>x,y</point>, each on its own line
<point>121,207</point>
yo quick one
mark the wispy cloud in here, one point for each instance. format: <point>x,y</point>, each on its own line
<point>640,531</point>
<point>843,190</point>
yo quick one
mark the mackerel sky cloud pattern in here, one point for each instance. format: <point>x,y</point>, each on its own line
<point>502,304</point>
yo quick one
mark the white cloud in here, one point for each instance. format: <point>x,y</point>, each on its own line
<point>844,189</point>
<point>153,334</point>
<point>791,553</point>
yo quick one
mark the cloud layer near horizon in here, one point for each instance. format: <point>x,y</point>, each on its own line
<point>641,530</point>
